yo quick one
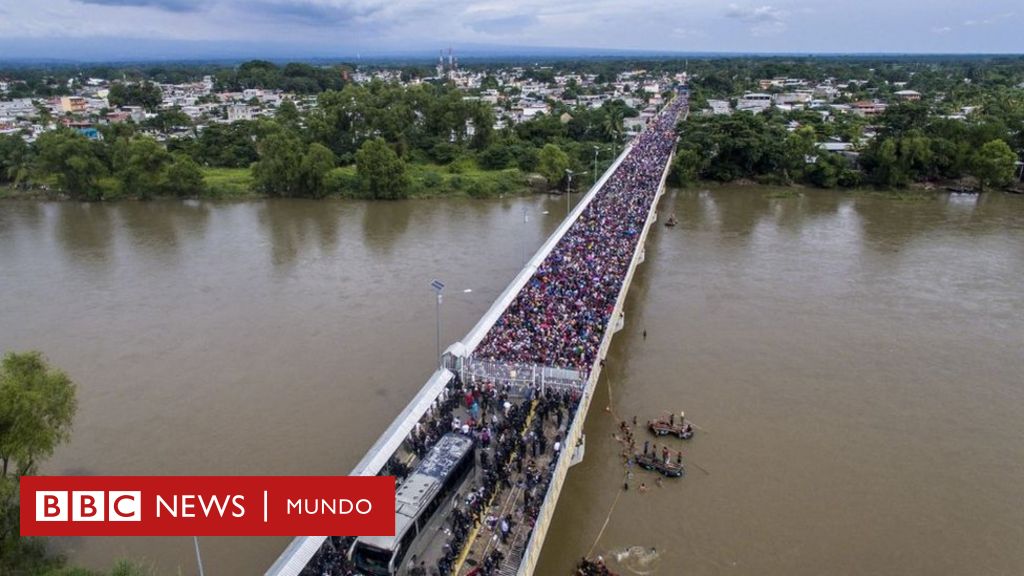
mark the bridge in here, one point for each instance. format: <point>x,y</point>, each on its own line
<point>530,365</point>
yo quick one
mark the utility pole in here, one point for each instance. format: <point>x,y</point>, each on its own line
<point>438,287</point>
<point>522,237</point>
<point>596,148</point>
<point>199,558</point>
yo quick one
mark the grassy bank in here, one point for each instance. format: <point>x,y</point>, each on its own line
<point>425,181</point>
<point>913,193</point>
<point>227,183</point>
<point>431,180</point>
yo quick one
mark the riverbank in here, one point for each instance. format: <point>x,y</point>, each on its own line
<point>461,180</point>
<point>913,192</point>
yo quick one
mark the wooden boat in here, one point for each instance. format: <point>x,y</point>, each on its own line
<point>962,190</point>
<point>588,567</point>
<point>671,221</point>
<point>666,426</point>
<point>671,468</point>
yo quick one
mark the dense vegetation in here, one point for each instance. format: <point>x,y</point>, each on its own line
<point>436,141</point>
<point>442,142</point>
<point>910,145</point>
<point>37,406</point>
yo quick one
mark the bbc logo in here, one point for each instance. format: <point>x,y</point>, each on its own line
<point>89,506</point>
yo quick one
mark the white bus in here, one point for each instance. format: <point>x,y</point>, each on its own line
<point>431,485</point>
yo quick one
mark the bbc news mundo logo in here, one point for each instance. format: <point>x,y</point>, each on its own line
<point>207,505</point>
<point>89,506</point>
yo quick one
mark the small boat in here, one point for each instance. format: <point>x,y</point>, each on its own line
<point>666,426</point>
<point>588,567</point>
<point>665,467</point>
<point>671,221</point>
<point>962,190</point>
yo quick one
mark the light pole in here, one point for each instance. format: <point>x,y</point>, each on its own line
<point>522,237</point>
<point>199,558</point>
<point>438,287</point>
<point>596,149</point>
<point>568,188</point>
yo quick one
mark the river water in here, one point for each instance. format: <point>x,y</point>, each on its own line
<point>854,363</point>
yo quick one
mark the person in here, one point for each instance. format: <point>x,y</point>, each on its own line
<point>645,333</point>
<point>646,443</point>
<point>643,487</point>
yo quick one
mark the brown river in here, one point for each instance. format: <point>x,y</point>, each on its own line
<point>855,365</point>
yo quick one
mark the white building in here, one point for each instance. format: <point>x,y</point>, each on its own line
<point>237,112</point>
<point>720,107</point>
<point>754,102</point>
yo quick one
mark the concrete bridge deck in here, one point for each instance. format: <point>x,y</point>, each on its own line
<point>460,364</point>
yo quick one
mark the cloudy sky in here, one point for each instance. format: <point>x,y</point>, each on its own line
<point>85,29</point>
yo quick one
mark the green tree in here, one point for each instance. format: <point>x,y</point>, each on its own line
<point>317,162</point>
<point>73,159</point>
<point>145,94</point>
<point>183,177</point>
<point>886,166</point>
<point>37,406</point>
<point>287,113</point>
<point>381,171</point>
<point>139,166</point>
<point>228,145</point>
<point>166,120</point>
<point>687,166</point>
<point>993,164</point>
<point>15,158</point>
<point>552,164</point>
<point>279,169</point>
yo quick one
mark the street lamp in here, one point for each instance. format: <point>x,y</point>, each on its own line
<point>522,237</point>
<point>199,559</point>
<point>568,188</point>
<point>438,287</point>
<point>596,149</point>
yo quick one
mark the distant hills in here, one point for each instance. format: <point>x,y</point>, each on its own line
<point>74,51</point>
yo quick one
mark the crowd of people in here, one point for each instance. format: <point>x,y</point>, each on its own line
<point>560,315</point>
<point>508,449</point>
<point>558,319</point>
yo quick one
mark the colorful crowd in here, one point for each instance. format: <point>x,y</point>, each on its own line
<point>558,319</point>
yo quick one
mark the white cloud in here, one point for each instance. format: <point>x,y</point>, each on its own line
<point>344,27</point>
<point>990,20</point>
<point>764,20</point>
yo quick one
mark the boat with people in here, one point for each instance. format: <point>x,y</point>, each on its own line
<point>666,426</point>
<point>588,567</point>
<point>672,221</point>
<point>664,465</point>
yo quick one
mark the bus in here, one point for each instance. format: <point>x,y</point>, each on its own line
<point>431,486</point>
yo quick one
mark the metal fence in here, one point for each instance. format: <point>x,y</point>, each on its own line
<point>521,378</point>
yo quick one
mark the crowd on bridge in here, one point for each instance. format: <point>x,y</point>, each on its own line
<point>560,315</point>
<point>558,319</point>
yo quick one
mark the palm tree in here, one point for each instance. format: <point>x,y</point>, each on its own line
<point>611,124</point>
